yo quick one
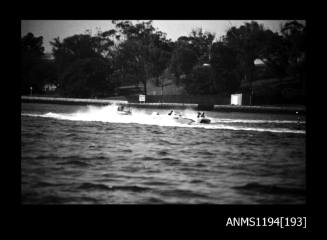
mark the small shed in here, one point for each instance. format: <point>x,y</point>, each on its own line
<point>236,99</point>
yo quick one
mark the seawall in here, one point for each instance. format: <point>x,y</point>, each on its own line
<point>72,101</point>
<point>219,108</point>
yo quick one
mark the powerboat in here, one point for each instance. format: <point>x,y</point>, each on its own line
<point>179,118</point>
<point>124,110</point>
<point>202,119</point>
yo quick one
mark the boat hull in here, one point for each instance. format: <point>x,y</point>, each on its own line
<point>124,113</point>
<point>204,120</point>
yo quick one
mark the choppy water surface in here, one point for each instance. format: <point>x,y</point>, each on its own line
<point>92,155</point>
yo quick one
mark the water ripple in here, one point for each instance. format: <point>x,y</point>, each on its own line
<point>242,158</point>
<point>92,186</point>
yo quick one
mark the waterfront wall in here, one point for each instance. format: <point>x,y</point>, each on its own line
<point>73,101</point>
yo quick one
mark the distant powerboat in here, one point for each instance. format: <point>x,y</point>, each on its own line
<point>179,118</point>
<point>174,115</point>
<point>202,119</point>
<point>124,111</point>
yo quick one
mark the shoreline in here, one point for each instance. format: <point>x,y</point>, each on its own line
<point>218,108</point>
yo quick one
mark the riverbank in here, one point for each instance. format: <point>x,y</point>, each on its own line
<point>218,108</point>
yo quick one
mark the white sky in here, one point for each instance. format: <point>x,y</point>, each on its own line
<point>51,29</point>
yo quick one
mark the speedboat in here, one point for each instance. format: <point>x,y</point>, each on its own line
<point>174,115</point>
<point>155,115</point>
<point>202,119</point>
<point>179,118</point>
<point>124,111</point>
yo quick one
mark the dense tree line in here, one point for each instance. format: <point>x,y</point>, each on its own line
<point>34,70</point>
<point>88,65</point>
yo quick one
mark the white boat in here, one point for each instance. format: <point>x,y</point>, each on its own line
<point>183,120</point>
<point>124,111</point>
<point>179,118</point>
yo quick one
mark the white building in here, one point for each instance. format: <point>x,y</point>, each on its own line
<point>49,87</point>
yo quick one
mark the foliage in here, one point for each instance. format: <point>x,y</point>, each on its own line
<point>294,34</point>
<point>145,51</point>
<point>87,65</point>
<point>249,42</point>
<point>201,43</point>
<point>201,81</point>
<point>183,60</point>
<point>78,47</point>
<point>226,67</point>
<point>31,55</point>
<point>41,74</point>
<point>88,77</point>
<point>78,55</point>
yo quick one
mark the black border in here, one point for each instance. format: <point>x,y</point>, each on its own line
<point>140,219</point>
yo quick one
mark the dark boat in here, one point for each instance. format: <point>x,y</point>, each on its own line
<point>204,120</point>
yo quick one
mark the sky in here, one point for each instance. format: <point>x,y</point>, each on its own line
<point>51,29</point>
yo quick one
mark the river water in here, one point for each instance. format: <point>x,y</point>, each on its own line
<point>92,155</point>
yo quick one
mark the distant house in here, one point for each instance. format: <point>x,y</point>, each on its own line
<point>48,57</point>
<point>258,62</point>
<point>261,73</point>
<point>49,87</point>
<point>165,85</point>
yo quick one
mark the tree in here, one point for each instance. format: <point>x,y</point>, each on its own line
<point>41,74</point>
<point>226,67</point>
<point>284,54</point>
<point>294,34</point>
<point>130,62</point>
<point>159,59</point>
<point>78,47</point>
<point>88,77</point>
<point>183,60</point>
<point>144,51</point>
<point>201,42</point>
<point>249,42</point>
<point>201,81</point>
<point>32,52</point>
<point>190,51</point>
<point>71,52</point>
<point>275,55</point>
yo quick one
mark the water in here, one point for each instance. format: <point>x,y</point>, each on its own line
<point>92,155</point>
